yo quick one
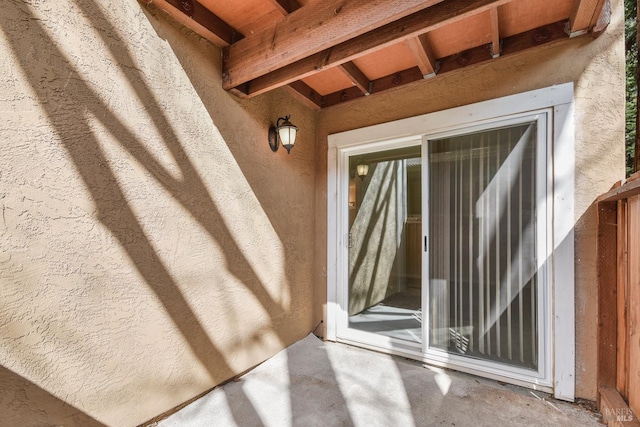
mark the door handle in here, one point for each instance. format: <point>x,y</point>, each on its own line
<point>426,245</point>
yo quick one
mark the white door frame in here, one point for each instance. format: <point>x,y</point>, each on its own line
<point>558,100</point>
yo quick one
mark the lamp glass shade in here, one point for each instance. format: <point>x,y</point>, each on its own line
<point>362,170</point>
<point>287,133</point>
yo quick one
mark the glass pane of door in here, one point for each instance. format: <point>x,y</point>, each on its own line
<point>482,261</point>
<point>385,228</point>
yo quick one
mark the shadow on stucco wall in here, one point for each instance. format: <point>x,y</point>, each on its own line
<point>244,123</point>
<point>69,103</point>
<point>373,250</point>
<point>257,165</point>
<point>66,103</point>
<point>31,405</point>
<point>113,211</point>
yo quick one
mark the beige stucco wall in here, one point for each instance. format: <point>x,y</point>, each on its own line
<point>151,244</point>
<point>597,69</point>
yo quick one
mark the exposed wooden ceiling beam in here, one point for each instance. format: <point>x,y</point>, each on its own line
<point>306,94</point>
<point>495,33</point>
<point>544,35</point>
<point>584,16</point>
<point>411,26</point>
<point>285,7</point>
<point>240,91</point>
<point>421,51</point>
<point>379,85</point>
<point>356,76</point>
<point>324,24</point>
<point>199,19</point>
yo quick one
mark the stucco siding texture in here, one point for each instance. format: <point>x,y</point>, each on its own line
<point>151,244</point>
<point>596,67</point>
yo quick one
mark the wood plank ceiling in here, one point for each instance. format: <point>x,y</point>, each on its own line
<point>332,51</point>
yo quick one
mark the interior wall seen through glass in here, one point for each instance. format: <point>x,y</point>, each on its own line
<point>385,228</point>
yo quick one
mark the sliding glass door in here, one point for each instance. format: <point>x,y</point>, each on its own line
<point>482,278</point>
<point>446,247</point>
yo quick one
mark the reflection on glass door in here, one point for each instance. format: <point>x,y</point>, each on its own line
<point>482,233</point>
<point>385,258</point>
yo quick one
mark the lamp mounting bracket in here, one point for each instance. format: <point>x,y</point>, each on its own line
<point>273,139</point>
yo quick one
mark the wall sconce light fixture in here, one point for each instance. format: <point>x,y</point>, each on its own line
<point>283,133</point>
<point>362,170</point>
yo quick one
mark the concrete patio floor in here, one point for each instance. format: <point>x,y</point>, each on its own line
<point>313,383</point>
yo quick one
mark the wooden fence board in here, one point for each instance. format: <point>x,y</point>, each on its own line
<point>623,294</point>
<point>607,286</point>
<point>634,303</point>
